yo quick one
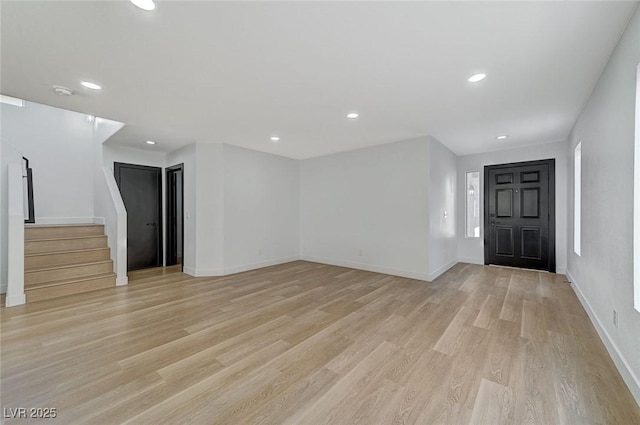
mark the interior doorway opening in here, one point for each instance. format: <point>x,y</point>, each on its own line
<point>175,215</point>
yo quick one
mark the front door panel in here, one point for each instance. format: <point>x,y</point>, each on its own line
<point>519,209</point>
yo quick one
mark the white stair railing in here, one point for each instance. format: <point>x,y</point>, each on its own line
<point>111,207</point>
<point>15,266</point>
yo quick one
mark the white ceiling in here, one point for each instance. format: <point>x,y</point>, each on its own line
<point>238,72</point>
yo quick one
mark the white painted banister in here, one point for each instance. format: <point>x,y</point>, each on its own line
<point>115,223</point>
<point>15,266</point>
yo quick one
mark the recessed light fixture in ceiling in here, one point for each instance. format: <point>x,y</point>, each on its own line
<point>274,138</point>
<point>144,4</point>
<point>504,136</point>
<point>90,85</point>
<point>353,115</point>
<point>476,77</point>
<point>150,142</point>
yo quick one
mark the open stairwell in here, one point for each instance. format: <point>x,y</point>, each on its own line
<point>61,260</point>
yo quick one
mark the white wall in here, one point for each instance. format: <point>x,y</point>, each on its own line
<point>471,250</point>
<point>241,208</point>
<point>368,208</point>
<point>261,209</point>
<point>59,145</point>
<point>209,216</point>
<point>115,153</point>
<point>443,244</point>
<point>603,274</point>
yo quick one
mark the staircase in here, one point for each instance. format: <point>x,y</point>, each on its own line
<point>61,260</point>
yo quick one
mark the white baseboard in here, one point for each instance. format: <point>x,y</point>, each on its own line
<point>434,275</point>
<point>122,280</point>
<point>258,265</point>
<point>15,300</point>
<point>202,272</point>
<point>236,269</point>
<point>189,270</point>
<point>561,270</point>
<point>98,220</point>
<point>68,220</point>
<point>619,360</point>
<point>471,260</point>
<point>368,267</point>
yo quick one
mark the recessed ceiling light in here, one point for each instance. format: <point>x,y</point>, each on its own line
<point>352,115</point>
<point>90,85</point>
<point>274,138</point>
<point>476,77</point>
<point>150,142</point>
<point>504,136</point>
<point>144,4</point>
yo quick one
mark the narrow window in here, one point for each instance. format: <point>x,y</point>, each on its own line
<point>636,202</point>
<point>473,205</point>
<point>577,197</point>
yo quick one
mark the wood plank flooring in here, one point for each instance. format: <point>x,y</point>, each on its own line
<point>305,343</point>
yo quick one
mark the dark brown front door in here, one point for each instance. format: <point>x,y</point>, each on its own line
<point>519,208</point>
<point>141,190</point>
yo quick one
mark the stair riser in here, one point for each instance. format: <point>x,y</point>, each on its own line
<point>31,233</point>
<point>68,273</point>
<point>65,258</point>
<point>36,247</point>
<point>39,294</point>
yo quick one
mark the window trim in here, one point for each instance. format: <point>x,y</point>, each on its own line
<point>636,201</point>
<point>466,206</point>
<point>577,199</point>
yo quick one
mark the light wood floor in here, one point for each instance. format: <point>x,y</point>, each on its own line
<point>304,343</point>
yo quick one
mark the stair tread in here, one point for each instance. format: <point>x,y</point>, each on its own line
<point>59,282</point>
<point>57,265</point>
<point>70,251</point>
<point>65,238</point>
<point>67,266</point>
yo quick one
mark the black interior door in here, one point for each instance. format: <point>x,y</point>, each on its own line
<point>175,214</point>
<point>141,190</point>
<point>520,215</point>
